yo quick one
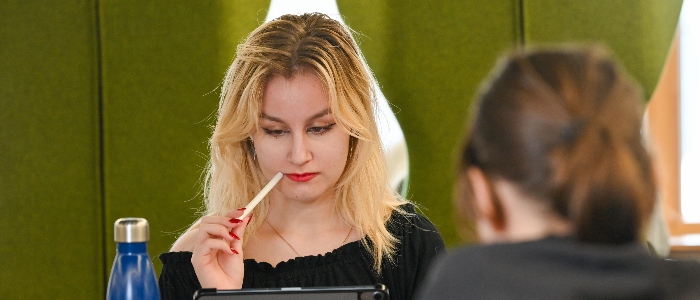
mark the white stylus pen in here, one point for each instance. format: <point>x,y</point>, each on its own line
<point>266,189</point>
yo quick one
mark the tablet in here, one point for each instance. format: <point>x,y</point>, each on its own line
<point>365,292</point>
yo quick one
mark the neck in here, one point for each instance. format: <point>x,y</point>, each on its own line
<point>303,216</point>
<point>526,218</point>
<point>538,225</point>
<point>298,227</point>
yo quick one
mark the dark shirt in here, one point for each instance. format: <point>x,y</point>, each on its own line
<point>351,264</point>
<point>559,268</point>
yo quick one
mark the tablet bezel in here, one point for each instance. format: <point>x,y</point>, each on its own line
<point>364,292</point>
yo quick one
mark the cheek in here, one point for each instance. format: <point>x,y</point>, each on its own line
<point>331,154</point>
<point>338,150</point>
<point>269,152</point>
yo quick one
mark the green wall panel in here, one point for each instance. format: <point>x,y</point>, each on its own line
<point>162,65</point>
<point>50,229</point>
<point>639,33</point>
<point>429,57</point>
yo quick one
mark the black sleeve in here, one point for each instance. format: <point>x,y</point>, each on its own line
<point>177,281</point>
<point>420,243</point>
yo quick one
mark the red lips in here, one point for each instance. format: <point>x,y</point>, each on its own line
<point>304,177</point>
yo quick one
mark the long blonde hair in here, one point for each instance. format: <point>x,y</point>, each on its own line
<point>287,46</point>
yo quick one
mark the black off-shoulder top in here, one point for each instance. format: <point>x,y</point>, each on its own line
<point>350,264</point>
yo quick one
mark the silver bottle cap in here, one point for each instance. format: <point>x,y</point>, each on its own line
<point>131,230</point>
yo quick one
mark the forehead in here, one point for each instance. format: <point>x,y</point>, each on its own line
<point>300,95</point>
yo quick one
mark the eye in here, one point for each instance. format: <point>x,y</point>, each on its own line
<point>275,132</point>
<point>320,129</point>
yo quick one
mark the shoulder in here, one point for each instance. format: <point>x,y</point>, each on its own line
<point>405,214</point>
<point>405,219</point>
<point>680,266</point>
<point>185,243</point>
<point>456,259</point>
<point>680,276</point>
<point>414,230</point>
<point>453,275</point>
<point>418,242</point>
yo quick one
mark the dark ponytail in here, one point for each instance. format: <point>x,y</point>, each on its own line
<point>564,125</point>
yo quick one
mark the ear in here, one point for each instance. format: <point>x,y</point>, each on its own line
<point>482,193</point>
<point>488,217</point>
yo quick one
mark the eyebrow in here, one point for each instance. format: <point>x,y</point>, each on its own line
<point>322,113</point>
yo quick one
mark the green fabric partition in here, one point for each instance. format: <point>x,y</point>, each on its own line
<point>106,108</point>
<point>162,63</point>
<point>429,57</point>
<point>50,194</point>
<point>639,33</point>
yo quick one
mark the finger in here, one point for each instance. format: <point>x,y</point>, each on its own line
<point>212,231</point>
<point>237,234</point>
<point>235,213</point>
<point>206,252</point>
<point>227,221</point>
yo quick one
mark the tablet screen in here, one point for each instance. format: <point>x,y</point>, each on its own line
<point>377,292</point>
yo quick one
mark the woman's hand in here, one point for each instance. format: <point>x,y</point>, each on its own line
<point>218,255</point>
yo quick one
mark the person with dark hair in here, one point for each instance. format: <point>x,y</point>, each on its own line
<point>559,186</point>
<point>298,99</point>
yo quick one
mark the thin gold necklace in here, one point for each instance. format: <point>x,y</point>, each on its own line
<point>290,245</point>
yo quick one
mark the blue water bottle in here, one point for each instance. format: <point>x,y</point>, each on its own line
<point>133,276</point>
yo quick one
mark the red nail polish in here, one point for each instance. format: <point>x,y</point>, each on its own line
<point>242,208</point>
<point>234,251</point>
<point>233,235</point>
<point>251,217</point>
<point>235,220</point>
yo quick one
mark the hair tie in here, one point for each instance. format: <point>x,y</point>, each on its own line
<point>572,132</point>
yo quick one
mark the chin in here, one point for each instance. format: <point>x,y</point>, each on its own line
<point>307,191</point>
<point>307,196</point>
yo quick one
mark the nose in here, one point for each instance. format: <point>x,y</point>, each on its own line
<point>301,150</point>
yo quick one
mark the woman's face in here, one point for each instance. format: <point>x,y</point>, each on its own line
<point>298,136</point>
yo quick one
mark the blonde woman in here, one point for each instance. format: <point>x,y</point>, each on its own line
<point>298,99</point>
